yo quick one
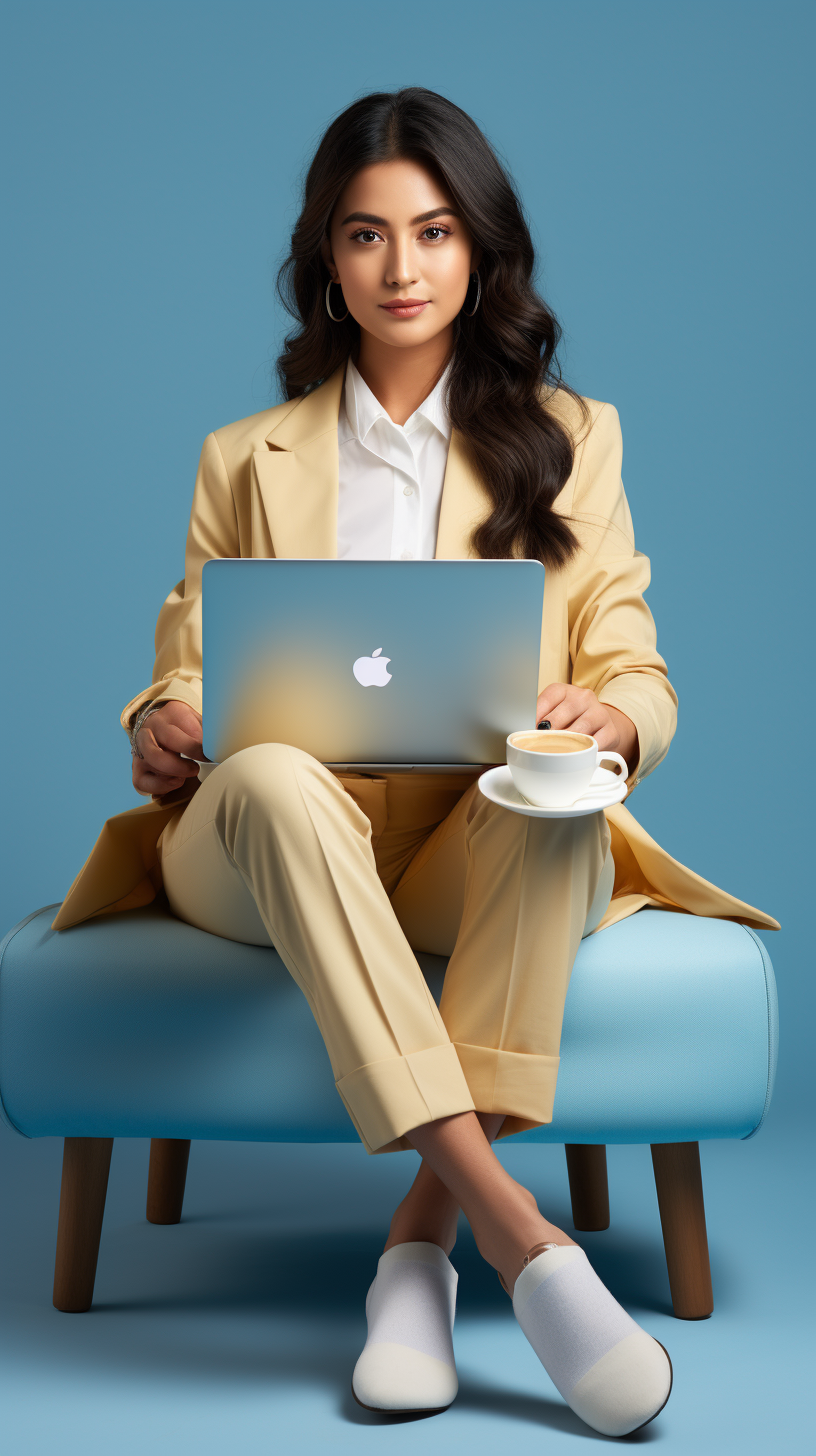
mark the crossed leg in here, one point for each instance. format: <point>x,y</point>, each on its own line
<point>509,899</point>
<point>273,850</point>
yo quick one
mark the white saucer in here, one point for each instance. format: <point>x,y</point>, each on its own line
<point>605,788</point>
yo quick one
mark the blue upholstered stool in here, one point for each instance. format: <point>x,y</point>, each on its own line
<point>138,1025</point>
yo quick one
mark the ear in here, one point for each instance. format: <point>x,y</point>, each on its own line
<point>326,254</point>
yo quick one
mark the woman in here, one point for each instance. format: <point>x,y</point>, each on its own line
<point>423,416</point>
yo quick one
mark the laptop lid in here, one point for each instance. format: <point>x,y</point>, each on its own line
<point>370,662</point>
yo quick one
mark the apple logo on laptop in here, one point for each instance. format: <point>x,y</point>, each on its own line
<point>372,671</point>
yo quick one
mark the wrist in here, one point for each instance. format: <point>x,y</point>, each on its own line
<point>139,722</point>
<point>628,744</point>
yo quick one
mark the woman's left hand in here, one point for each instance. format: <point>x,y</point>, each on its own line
<point>565,706</point>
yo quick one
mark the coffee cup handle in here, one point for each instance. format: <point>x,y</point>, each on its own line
<point>604,753</point>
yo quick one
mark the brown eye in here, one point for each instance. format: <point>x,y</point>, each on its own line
<point>367,235</point>
<point>440,232</point>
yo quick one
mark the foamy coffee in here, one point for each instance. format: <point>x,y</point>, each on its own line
<point>551,742</point>
<point>551,768</point>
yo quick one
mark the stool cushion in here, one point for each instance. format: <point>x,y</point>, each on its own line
<point>138,1025</point>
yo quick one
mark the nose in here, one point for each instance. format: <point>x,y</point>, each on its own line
<point>401,267</point>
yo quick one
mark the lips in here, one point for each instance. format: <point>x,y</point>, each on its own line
<point>405,307</point>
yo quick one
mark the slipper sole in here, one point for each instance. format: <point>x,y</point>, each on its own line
<point>432,1410</point>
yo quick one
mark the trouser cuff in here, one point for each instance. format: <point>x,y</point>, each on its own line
<point>387,1099</point>
<point>519,1084</point>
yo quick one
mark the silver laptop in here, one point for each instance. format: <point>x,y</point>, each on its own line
<point>371,664</point>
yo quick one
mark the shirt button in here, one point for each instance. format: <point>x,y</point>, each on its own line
<point>409,490</point>
<point>407,556</point>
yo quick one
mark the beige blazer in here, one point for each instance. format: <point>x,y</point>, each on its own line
<point>268,486</point>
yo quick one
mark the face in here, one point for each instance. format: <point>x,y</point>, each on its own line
<point>400,252</point>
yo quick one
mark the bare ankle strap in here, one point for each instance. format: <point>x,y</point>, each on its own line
<point>532,1253</point>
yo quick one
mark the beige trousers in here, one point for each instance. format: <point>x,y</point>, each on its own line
<point>344,874</point>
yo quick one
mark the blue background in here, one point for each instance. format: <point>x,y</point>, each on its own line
<point>151,184</point>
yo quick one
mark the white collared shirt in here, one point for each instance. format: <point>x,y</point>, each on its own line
<point>391,476</point>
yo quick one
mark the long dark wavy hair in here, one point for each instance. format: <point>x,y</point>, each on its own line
<point>503,355</point>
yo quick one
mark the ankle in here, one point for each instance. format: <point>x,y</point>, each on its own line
<point>505,1239</point>
<point>419,1236</point>
<point>422,1226</point>
<point>516,1251</point>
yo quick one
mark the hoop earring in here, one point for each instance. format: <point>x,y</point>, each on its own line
<point>328,307</point>
<point>471,312</point>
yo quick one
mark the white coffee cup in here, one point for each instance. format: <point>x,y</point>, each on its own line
<point>553,776</point>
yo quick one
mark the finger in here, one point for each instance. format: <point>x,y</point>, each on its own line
<point>576,702</point>
<point>183,717</point>
<point>188,718</point>
<point>168,765</point>
<point>174,739</point>
<point>598,725</point>
<point>604,732</point>
<point>153,783</point>
<point>549,699</point>
<point>161,761</point>
<point>178,716</point>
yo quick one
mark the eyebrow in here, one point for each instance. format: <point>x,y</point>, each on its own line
<point>383,222</point>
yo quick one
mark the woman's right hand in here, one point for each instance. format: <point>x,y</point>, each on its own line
<point>172,730</point>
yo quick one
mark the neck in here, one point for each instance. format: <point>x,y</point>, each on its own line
<point>402,378</point>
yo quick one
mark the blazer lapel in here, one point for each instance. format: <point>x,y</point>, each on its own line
<point>464,504</point>
<point>295,485</point>
<point>295,479</point>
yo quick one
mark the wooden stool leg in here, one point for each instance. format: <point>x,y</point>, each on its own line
<point>85,1167</point>
<point>679,1186</point>
<point>589,1189</point>
<point>166,1179</point>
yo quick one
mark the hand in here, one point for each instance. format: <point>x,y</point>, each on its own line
<point>172,730</point>
<point>565,706</point>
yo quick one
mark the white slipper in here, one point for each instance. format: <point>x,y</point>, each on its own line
<point>407,1364</point>
<point>609,1371</point>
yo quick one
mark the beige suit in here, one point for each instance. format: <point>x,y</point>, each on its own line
<point>455,873</point>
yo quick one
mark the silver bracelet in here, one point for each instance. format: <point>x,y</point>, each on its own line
<point>141,718</point>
